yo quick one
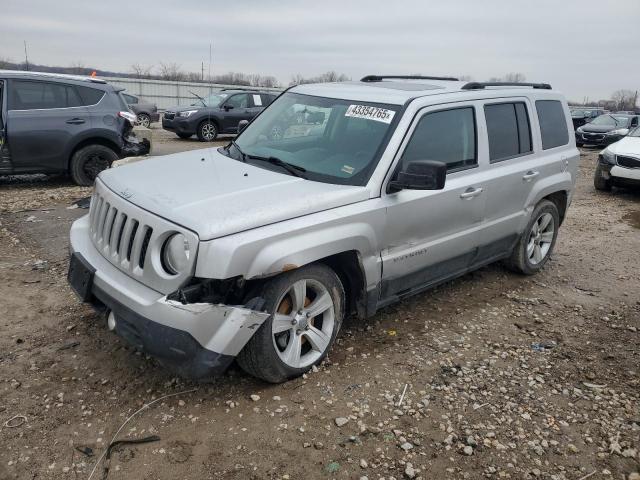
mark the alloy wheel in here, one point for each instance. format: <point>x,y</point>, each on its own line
<point>540,238</point>
<point>208,132</point>
<point>302,326</point>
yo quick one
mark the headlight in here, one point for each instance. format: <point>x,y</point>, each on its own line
<point>608,156</point>
<point>186,113</point>
<point>579,130</point>
<point>175,254</point>
<point>619,131</point>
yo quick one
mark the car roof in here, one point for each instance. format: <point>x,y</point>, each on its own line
<point>50,76</point>
<point>398,91</point>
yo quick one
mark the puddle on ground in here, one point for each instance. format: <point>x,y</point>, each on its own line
<point>632,219</point>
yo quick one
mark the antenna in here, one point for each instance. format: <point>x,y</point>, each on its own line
<point>26,57</point>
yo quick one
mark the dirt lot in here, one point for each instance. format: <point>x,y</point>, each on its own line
<point>505,376</point>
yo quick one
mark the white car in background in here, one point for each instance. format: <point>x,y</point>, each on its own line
<point>619,163</point>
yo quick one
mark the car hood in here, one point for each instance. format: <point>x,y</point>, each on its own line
<point>626,146</point>
<point>184,108</point>
<point>214,195</point>
<point>589,128</point>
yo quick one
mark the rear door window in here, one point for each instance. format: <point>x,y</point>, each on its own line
<point>553,125</point>
<point>32,95</point>
<point>447,136</point>
<point>508,130</point>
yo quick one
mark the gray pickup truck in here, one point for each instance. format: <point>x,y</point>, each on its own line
<point>384,187</point>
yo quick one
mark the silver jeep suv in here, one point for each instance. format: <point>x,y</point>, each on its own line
<point>338,199</point>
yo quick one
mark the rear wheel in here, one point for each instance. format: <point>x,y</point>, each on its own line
<point>600,182</point>
<point>537,241</point>
<point>184,135</point>
<point>207,131</point>
<point>306,307</point>
<point>143,120</point>
<point>89,161</point>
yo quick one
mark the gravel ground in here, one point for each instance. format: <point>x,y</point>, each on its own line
<point>493,375</point>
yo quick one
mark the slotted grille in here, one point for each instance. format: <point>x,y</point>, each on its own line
<point>628,162</point>
<point>130,238</point>
<point>120,237</point>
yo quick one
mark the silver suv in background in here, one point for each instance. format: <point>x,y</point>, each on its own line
<point>385,187</point>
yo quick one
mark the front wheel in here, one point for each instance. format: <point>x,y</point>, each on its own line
<point>537,241</point>
<point>599,182</point>
<point>89,161</point>
<point>306,307</point>
<point>207,131</point>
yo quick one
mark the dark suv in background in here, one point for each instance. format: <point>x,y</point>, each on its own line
<point>146,112</point>
<point>218,113</point>
<point>53,123</point>
<point>606,129</point>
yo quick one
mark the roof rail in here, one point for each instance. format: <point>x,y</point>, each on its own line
<point>481,85</point>
<point>379,78</point>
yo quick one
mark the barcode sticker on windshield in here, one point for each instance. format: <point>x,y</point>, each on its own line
<point>370,113</point>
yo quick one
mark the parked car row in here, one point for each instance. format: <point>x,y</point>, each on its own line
<point>606,129</point>
<point>51,123</point>
<point>146,112</point>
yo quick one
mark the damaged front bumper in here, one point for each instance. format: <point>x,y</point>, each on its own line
<point>195,339</point>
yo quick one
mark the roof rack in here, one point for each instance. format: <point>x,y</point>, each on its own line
<point>379,78</point>
<point>481,85</point>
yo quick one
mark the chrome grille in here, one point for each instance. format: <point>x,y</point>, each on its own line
<point>169,115</point>
<point>131,238</point>
<point>628,162</point>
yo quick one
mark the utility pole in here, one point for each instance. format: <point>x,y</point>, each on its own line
<point>26,57</point>
<point>202,74</point>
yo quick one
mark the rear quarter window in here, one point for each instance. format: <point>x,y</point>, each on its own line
<point>90,96</point>
<point>553,124</point>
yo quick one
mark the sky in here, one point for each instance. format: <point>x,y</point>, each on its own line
<point>584,48</point>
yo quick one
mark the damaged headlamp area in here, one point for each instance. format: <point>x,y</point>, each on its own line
<point>231,291</point>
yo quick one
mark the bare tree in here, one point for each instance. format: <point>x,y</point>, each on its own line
<point>326,77</point>
<point>141,71</point>
<point>515,77</point>
<point>171,71</point>
<point>465,78</point>
<point>78,68</point>
<point>624,99</point>
<point>6,63</point>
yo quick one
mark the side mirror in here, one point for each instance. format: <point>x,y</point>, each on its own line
<point>242,125</point>
<point>228,107</point>
<point>421,175</point>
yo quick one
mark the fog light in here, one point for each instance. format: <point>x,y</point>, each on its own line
<point>111,321</point>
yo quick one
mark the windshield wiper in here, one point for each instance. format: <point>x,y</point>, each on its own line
<point>199,97</point>
<point>294,170</point>
<point>243,156</point>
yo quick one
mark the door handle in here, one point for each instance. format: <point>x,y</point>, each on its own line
<point>75,121</point>
<point>471,192</point>
<point>530,175</point>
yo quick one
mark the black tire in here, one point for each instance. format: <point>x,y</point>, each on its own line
<point>143,120</point>
<point>520,260</point>
<point>599,182</point>
<point>89,161</point>
<point>259,357</point>
<point>207,131</point>
<point>184,135</point>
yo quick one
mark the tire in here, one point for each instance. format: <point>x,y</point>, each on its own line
<point>89,161</point>
<point>266,355</point>
<point>184,135</point>
<point>600,183</point>
<point>143,120</point>
<point>207,131</point>
<point>533,249</point>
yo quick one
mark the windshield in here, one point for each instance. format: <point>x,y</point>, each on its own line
<point>611,120</point>
<point>333,141</point>
<point>580,113</point>
<point>214,99</point>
